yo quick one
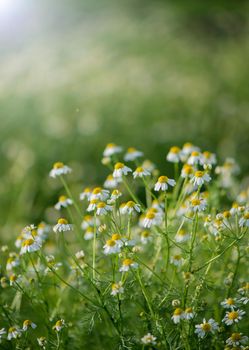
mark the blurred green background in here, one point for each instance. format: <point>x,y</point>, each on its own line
<point>75,75</point>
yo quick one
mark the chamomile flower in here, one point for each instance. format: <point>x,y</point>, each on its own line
<point>176,260</point>
<point>188,313</point>
<point>92,205</point>
<point>130,208</point>
<point>29,245</point>
<point>59,169</point>
<point>114,196</point>
<point>88,221</point>
<point>194,158</point>
<point>244,220</point>
<point>103,208</point>
<point>110,182</point>
<point>174,155</point>
<point>229,303</point>
<point>208,158</point>
<point>12,262</point>
<point>242,198</point>
<point>111,149</point>
<point>62,226</point>
<point>148,339</point>
<point>63,202</point>
<point>127,264</point>
<point>178,315</point>
<point>140,172</point>
<point>113,245</point>
<point>182,236</point>
<point>233,317</point>
<point>235,209</point>
<point>117,288</point>
<point>88,235</point>
<point>28,324</point>
<point>132,154</point>
<point>99,194</point>
<point>187,171</point>
<point>237,339</point>
<point>42,342</point>
<point>199,178</point>
<point>59,325</point>
<point>198,204</point>
<point>151,219</point>
<point>206,327</point>
<point>86,194</point>
<point>120,169</point>
<point>163,183</point>
<point>187,149</point>
<point>13,333</point>
<point>80,255</point>
<point>145,237</point>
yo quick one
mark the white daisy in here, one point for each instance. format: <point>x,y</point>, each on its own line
<point>12,262</point>
<point>140,172</point>
<point>114,196</point>
<point>92,205</point>
<point>13,333</point>
<point>187,149</point>
<point>176,260</point>
<point>132,154</point>
<point>112,149</point>
<point>208,158</point>
<point>88,221</point>
<point>233,317</point>
<point>29,245</point>
<point>188,313</point>
<point>244,220</point>
<point>206,327</point>
<point>120,169</point>
<point>103,208</point>
<point>187,171</point>
<point>110,182</point>
<point>28,324</point>
<point>63,202</point>
<point>174,155</point>
<point>199,178</point>
<point>163,183</point>
<point>237,339</point>
<point>145,237</point>
<point>80,255</point>
<point>117,288</point>
<point>100,194</point>
<point>198,204</point>
<point>152,218</point>
<point>59,169</point>
<point>178,315</point>
<point>130,208</point>
<point>148,339</point>
<point>59,325</point>
<point>194,158</point>
<point>182,236</point>
<point>127,265</point>
<point>86,194</point>
<point>113,245</point>
<point>229,303</point>
<point>62,226</point>
<point>88,235</point>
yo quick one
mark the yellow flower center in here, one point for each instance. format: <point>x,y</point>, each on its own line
<point>162,179</point>
<point>116,236</point>
<point>93,201</point>
<point>233,315</point>
<point>175,149</point>
<point>130,204</point>
<point>150,215</point>
<point>189,310</point>
<point>199,173</point>
<point>236,336</point>
<point>97,190</point>
<point>177,257</point>
<point>115,192</point>
<point>12,329</point>
<point>139,169</point>
<point>177,312</point>
<point>110,145</point>
<point>28,242</point>
<point>207,154</point>
<point>246,216</point>
<point>187,169</point>
<point>58,165</point>
<point>131,150</point>
<point>187,145</point>
<point>62,221</point>
<point>119,166</point>
<point>226,214</point>
<point>195,154</point>
<point>145,234</point>
<point>58,323</point>
<point>182,232</point>
<point>230,301</point>
<point>27,323</point>
<point>62,198</point>
<point>206,327</point>
<point>195,202</point>
<point>13,278</point>
<point>127,262</point>
<point>110,242</point>
<point>235,205</point>
<point>101,205</point>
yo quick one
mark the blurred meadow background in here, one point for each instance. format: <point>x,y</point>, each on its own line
<point>75,75</point>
